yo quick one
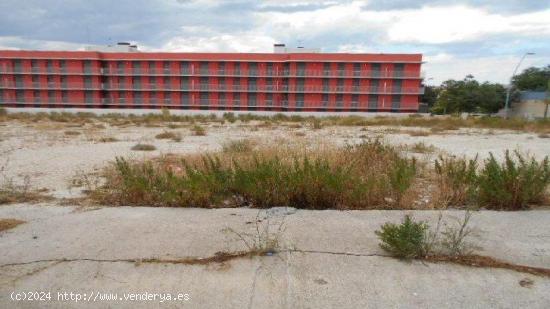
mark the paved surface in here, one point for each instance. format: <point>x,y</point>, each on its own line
<point>82,250</point>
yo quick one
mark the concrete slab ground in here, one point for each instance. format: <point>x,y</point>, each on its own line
<point>335,261</point>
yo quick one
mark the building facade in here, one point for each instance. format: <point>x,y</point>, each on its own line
<point>280,81</point>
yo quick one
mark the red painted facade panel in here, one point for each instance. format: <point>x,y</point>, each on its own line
<point>228,81</point>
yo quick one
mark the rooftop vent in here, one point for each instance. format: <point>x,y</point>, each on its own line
<point>280,48</point>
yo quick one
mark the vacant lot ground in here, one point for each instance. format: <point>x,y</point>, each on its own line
<point>328,258</point>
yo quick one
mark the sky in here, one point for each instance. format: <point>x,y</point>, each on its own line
<point>457,38</point>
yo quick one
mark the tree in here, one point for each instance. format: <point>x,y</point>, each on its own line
<point>533,79</point>
<point>468,95</point>
<point>430,95</point>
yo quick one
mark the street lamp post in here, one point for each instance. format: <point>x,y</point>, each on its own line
<point>507,103</point>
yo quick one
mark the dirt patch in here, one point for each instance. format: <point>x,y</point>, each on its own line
<point>488,262</point>
<point>6,224</point>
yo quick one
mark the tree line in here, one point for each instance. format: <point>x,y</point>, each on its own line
<point>470,96</point>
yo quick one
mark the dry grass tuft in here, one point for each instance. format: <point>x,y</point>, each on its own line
<point>198,130</point>
<point>72,133</point>
<point>6,224</point>
<point>144,147</point>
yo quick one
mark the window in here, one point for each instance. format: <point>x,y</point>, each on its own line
<point>203,67</point>
<point>120,67</point>
<point>300,100</point>
<point>63,66</point>
<point>166,83</point>
<point>87,82</point>
<point>356,82</point>
<point>51,97</point>
<point>221,98</point>
<point>252,99</point>
<point>88,97</point>
<point>237,83</point>
<point>252,84</point>
<point>395,101</point>
<point>87,66</point>
<point>35,82</point>
<point>152,82</point>
<point>184,83</point>
<point>51,82</point>
<point>136,66</point>
<point>63,81</point>
<point>398,69</point>
<point>269,69</point>
<point>339,100</point>
<point>64,97</point>
<point>300,69</point>
<point>221,83</point>
<point>20,96</point>
<point>138,97</point>
<point>397,85</point>
<point>203,83</point>
<point>341,67</point>
<point>34,66</point>
<point>269,84</point>
<point>185,98</point>
<point>153,97</point>
<point>340,85</point>
<point>36,96</point>
<point>269,99</point>
<point>237,68</point>
<point>18,81</point>
<point>373,101</point>
<point>203,98</point>
<point>49,66</point>
<point>166,66</point>
<point>122,82</point>
<point>355,100</point>
<point>1,96</point>
<point>122,97</point>
<point>184,68</point>
<point>236,99</point>
<point>326,68</point>
<point>325,100</point>
<point>152,67</point>
<point>221,68</point>
<point>374,85</point>
<point>252,69</point>
<point>326,84</point>
<point>375,69</point>
<point>17,65</point>
<point>136,82</point>
<point>300,84</point>
<point>356,69</point>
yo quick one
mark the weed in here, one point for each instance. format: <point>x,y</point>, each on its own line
<point>513,184</point>
<point>107,139</point>
<point>6,224</point>
<point>236,146</point>
<point>406,240</point>
<point>316,124</point>
<point>144,147</point>
<point>198,130</point>
<point>456,180</point>
<point>454,238</point>
<point>421,147</point>
<point>176,137</point>
<point>72,133</point>
<point>265,240</point>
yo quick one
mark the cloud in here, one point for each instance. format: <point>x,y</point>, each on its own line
<point>216,42</point>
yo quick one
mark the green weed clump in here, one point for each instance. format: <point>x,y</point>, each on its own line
<point>144,147</point>
<point>406,240</point>
<point>356,177</point>
<point>514,183</point>
<point>198,130</point>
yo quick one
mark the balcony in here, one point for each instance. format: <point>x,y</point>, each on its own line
<point>216,88</point>
<point>52,70</point>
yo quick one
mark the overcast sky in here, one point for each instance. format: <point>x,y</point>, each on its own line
<point>483,38</point>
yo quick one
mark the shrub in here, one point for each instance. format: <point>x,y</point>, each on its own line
<point>238,146</point>
<point>169,135</point>
<point>230,117</point>
<point>456,179</point>
<point>355,177</point>
<point>513,184</point>
<point>421,147</point>
<point>406,240</point>
<point>144,147</point>
<point>198,130</point>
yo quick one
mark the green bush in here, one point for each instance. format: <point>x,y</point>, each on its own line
<point>514,183</point>
<point>406,240</point>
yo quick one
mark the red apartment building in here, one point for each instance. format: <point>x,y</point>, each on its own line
<point>286,80</point>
